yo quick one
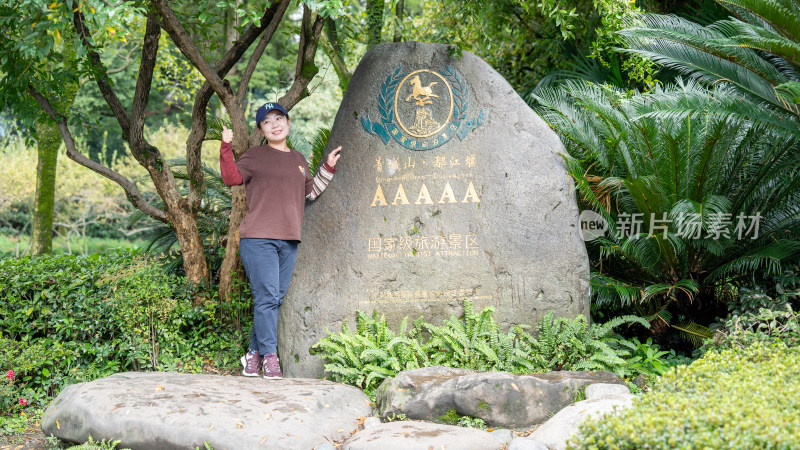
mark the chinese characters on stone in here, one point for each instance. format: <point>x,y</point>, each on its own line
<point>453,244</point>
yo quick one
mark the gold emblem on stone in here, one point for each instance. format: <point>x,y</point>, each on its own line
<point>423,104</point>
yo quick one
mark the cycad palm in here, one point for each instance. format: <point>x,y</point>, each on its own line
<point>630,157</point>
<point>756,54</point>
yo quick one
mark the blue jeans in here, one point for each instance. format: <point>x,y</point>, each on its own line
<point>269,264</point>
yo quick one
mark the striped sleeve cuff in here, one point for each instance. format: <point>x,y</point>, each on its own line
<point>321,179</point>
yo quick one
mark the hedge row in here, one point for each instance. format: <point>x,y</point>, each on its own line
<point>741,398</point>
<point>67,318</point>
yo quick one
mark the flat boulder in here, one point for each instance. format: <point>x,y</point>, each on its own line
<point>499,398</point>
<point>450,187</point>
<point>421,435</point>
<point>154,410</point>
<point>555,432</point>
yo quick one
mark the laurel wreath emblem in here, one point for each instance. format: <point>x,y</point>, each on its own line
<point>386,100</point>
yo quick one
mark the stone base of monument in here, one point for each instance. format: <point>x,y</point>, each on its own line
<point>501,399</point>
<point>183,411</point>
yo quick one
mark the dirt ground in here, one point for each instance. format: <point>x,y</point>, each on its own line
<point>32,439</point>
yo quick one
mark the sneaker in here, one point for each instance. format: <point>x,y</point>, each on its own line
<point>271,367</point>
<point>251,364</point>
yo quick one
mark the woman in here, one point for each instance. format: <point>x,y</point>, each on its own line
<point>277,183</point>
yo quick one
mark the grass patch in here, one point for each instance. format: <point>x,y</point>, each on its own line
<point>16,246</point>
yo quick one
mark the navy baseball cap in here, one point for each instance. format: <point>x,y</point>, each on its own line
<point>266,108</point>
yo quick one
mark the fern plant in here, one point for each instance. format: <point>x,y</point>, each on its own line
<point>366,356</point>
<point>475,341</point>
<point>373,352</point>
<point>573,344</point>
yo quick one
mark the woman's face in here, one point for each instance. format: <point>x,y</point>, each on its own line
<point>275,127</point>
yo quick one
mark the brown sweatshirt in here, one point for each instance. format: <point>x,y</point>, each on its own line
<point>277,184</point>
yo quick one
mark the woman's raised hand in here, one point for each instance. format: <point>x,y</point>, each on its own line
<point>227,134</point>
<point>332,156</point>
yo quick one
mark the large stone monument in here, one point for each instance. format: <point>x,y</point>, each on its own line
<point>449,188</point>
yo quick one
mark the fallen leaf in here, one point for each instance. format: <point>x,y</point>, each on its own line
<point>267,415</point>
<point>58,425</point>
<point>212,426</point>
<point>340,430</point>
<point>263,439</point>
<point>159,388</point>
<point>238,424</point>
<point>515,387</point>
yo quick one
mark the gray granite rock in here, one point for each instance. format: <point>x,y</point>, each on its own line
<point>526,444</point>
<point>421,435</point>
<point>147,410</point>
<point>504,436</point>
<point>485,212</point>
<point>602,390</point>
<point>371,422</point>
<point>555,432</point>
<point>499,398</point>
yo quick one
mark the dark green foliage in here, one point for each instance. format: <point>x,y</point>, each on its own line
<point>697,184</point>
<point>374,352</point>
<point>65,319</point>
<point>16,220</point>
<point>752,54</point>
<point>759,314</point>
<point>739,398</point>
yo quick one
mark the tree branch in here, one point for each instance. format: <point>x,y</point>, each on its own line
<point>184,43</point>
<point>306,69</point>
<point>331,46</point>
<point>109,95</point>
<point>131,191</point>
<point>126,64</point>
<point>272,17</point>
<point>258,51</point>
<point>143,82</point>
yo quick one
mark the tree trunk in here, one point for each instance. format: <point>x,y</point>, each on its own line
<point>231,265</point>
<point>194,259</point>
<point>305,71</point>
<point>399,13</point>
<point>333,48</point>
<point>49,140</point>
<point>374,22</point>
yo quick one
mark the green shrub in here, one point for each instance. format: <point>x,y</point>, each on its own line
<point>66,319</point>
<point>741,398</point>
<point>765,325</point>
